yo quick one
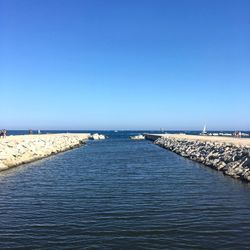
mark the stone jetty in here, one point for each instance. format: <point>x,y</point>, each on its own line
<point>20,149</point>
<point>229,155</point>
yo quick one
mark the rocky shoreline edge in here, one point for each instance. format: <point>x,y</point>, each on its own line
<point>18,150</point>
<point>232,160</point>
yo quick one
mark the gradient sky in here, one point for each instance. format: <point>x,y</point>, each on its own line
<point>127,64</point>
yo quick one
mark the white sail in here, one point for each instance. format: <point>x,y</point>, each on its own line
<point>204,129</point>
<point>204,132</point>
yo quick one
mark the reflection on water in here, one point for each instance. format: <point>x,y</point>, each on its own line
<point>122,194</point>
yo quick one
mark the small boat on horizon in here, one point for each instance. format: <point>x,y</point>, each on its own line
<point>204,131</point>
<point>137,137</point>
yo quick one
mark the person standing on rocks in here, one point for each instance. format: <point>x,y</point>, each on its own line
<point>3,133</point>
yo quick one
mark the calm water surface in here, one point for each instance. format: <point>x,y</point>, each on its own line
<point>122,194</point>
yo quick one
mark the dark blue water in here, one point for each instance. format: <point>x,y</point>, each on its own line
<point>122,194</point>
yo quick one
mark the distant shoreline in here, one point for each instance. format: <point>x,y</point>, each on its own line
<point>219,139</point>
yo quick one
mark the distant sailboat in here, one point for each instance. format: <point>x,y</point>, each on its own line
<point>204,132</point>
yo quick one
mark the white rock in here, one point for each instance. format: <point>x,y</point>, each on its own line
<point>3,166</point>
<point>97,137</point>
<point>137,137</point>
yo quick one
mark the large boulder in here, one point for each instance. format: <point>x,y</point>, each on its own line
<point>97,137</point>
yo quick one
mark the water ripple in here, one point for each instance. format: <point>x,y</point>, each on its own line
<point>122,194</point>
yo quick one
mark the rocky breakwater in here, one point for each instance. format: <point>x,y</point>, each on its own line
<point>231,158</point>
<point>17,150</point>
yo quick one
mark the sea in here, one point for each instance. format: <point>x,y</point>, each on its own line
<point>121,194</point>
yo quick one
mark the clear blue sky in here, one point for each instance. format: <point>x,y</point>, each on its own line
<point>127,64</point>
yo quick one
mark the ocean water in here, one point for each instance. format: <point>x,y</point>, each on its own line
<point>122,194</point>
